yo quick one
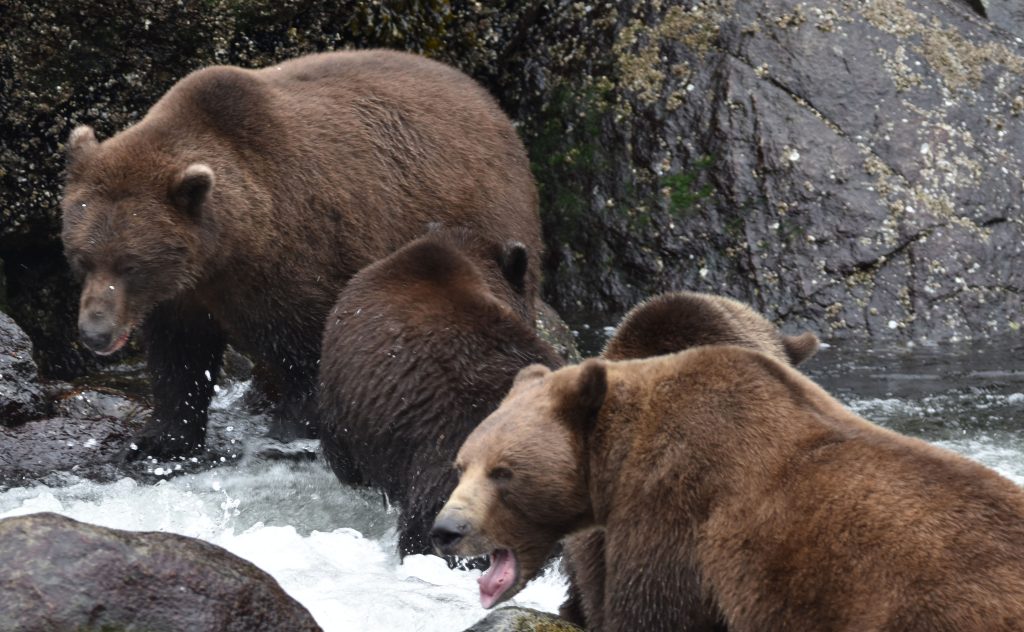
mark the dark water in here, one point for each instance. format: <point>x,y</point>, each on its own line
<point>968,397</point>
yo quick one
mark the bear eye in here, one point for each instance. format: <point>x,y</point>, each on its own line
<point>500,474</point>
<point>128,269</point>
<point>83,265</point>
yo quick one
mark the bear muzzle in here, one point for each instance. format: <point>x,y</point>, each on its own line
<point>102,337</point>
<point>101,318</point>
<point>448,532</point>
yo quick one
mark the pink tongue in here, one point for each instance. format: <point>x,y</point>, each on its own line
<point>498,578</point>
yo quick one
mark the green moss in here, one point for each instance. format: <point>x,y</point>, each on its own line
<point>682,190</point>
<point>564,152</point>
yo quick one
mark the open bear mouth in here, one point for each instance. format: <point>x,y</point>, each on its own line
<point>502,575</point>
<point>118,342</point>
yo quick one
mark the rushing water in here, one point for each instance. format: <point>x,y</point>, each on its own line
<point>333,548</point>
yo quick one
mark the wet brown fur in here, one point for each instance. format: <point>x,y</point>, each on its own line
<point>664,324</point>
<point>320,166</point>
<point>722,472</point>
<point>419,348</point>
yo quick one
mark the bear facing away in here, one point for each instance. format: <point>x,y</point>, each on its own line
<point>727,480</point>
<point>419,348</point>
<point>676,321</point>
<point>237,208</point>
<point>663,324</point>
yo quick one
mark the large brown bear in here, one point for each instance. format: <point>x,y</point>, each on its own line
<point>668,323</point>
<point>419,348</point>
<point>244,200</point>
<point>731,487</point>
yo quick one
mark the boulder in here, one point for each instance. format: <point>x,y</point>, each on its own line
<point>21,394</point>
<point>85,437</point>
<point>514,619</point>
<point>60,574</point>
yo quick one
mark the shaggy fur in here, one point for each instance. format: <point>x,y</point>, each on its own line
<point>245,199</point>
<point>668,323</point>
<point>724,479</point>
<point>419,348</point>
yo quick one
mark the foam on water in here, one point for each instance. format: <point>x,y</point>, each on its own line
<point>282,517</point>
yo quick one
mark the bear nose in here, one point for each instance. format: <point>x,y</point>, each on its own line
<point>94,332</point>
<point>95,340</point>
<point>447,533</point>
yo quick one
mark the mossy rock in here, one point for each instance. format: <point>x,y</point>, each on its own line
<point>513,619</point>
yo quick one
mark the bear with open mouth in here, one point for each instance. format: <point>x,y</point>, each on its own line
<point>725,479</point>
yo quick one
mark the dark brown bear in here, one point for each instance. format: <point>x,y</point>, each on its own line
<point>729,484</point>
<point>668,323</point>
<point>238,207</point>
<point>419,348</point>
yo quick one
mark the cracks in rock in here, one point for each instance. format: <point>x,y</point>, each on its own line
<point>880,260</point>
<point>806,103</point>
<point>800,100</point>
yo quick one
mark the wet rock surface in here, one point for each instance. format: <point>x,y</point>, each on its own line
<point>67,431</point>
<point>21,394</point>
<point>854,167</point>
<point>513,619</point>
<point>60,574</point>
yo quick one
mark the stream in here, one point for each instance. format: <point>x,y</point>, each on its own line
<point>334,548</point>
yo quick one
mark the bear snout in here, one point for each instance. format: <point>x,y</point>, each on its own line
<point>96,334</point>
<point>448,532</point>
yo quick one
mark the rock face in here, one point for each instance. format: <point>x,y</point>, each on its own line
<point>851,166</point>
<point>60,574</point>
<point>21,395</point>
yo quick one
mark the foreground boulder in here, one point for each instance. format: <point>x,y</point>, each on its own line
<point>60,574</point>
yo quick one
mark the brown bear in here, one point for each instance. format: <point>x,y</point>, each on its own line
<point>668,323</point>
<point>419,348</point>
<point>732,487</point>
<point>239,206</point>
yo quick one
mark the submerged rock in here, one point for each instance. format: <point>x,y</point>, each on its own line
<point>60,574</point>
<point>513,619</point>
<point>21,394</point>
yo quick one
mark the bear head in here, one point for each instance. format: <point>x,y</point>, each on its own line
<point>522,484</point>
<point>676,321</point>
<point>133,225</point>
<point>503,265</point>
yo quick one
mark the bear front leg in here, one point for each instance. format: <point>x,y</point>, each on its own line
<point>651,585</point>
<point>185,348</point>
<point>583,563</point>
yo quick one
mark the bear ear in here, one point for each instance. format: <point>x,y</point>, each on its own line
<point>433,227</point>
<point>191,189</point>
<point>81,141</point>
<point>800,348</point>
<point>530,373</point>
<point>581,394</point>
<point>514,263</point>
